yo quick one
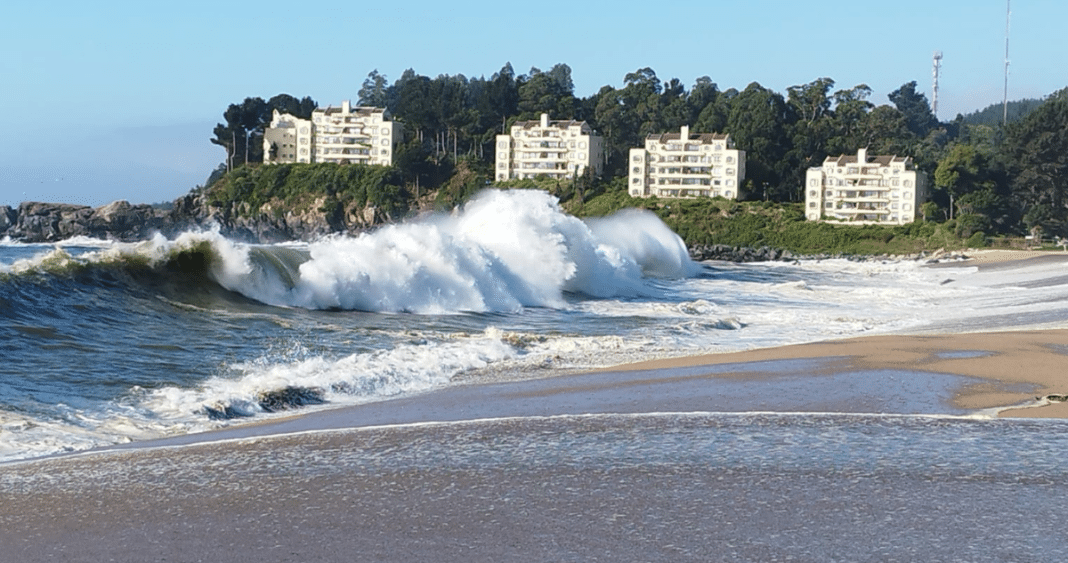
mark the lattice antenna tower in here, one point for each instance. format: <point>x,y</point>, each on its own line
<point>1005,99</point>
<point>936,65</point>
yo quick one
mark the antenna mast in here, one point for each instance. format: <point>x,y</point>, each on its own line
<point>1005,100</point>
<point>934,89</point>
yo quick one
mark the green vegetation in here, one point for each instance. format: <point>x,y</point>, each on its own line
<point>783,226</point>
<point>989,179</point>
<point>300,187</point>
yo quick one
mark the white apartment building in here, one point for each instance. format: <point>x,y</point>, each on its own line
<point>282,139</point>
<point>360,135</point>
<point>862,189</point>
<point>685,165</point>
<point>557,149</point>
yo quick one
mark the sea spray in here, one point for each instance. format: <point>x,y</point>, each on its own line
<point>501,252</point>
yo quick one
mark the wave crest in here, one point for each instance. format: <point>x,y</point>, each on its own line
<point>503,251</point>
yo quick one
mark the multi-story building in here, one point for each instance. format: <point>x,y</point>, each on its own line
<point>555,149</point>
<point>865,189</point>
<point>360,135</point>
<point>288,139</point>
<point>685,165</point>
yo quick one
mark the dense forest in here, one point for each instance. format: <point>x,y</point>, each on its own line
<point>987,176</point>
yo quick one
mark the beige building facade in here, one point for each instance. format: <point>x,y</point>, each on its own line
<point>686,165</point>
<point>863,189</point>
<point>544,148</point>
<point>345,134</point>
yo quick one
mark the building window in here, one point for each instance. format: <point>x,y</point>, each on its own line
<point>637,158</point>
<point>636,170</point>
<point>636,181</point>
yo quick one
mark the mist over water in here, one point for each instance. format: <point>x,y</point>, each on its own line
<point>107,342</point>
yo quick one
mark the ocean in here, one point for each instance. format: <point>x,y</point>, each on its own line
<point>106,343</point>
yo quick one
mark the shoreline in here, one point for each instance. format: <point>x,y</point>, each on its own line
<point>986,366</point>
<point>409,479</point>
<point>993,359</point>
<point>968,374</point>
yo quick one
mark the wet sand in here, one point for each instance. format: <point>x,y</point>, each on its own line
<point>281,490</point>
<point>1010,368</point>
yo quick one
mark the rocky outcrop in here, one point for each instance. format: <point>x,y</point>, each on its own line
<point>48,222</point>
<point>728,253</point>
<point>51,222</point>
<point>8,217</point>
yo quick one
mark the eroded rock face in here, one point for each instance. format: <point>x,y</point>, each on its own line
<point>120,220</point>
<point>50,222</point>
<point>8,217</point>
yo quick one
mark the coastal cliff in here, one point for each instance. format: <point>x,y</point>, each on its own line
<point>34,222</point>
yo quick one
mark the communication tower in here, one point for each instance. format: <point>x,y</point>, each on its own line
<point>937,64</point>
<point>1005,100</point>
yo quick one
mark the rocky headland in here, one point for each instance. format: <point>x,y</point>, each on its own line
<point>35,222</point>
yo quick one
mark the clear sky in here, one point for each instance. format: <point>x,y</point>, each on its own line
<point>117,99</point>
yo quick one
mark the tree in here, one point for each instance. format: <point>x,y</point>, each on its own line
<point>813,122</point>
<point>851,109</point>
<point>547,92</point>
<point>373,91</point>
<point>914,106</point>
<point>758,121</point>
<point>1035,153</point>
<point>242,134</point>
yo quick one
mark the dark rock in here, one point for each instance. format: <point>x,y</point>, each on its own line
<point>728,253</point>
<point>290,397</point>
<point>224,412</point>
<point>8,217</point>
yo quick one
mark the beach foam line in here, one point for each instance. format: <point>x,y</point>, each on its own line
<point>265,439</point>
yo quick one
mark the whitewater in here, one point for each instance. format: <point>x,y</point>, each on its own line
<point>106,343</point>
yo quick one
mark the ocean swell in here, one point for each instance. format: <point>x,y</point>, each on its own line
<point>503,251</point>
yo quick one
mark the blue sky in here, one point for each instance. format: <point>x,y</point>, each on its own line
<point>116,99</point>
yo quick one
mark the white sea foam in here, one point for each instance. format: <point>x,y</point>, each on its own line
<point>352,379</point>
<point>519,261</point>
<point>503,251</point>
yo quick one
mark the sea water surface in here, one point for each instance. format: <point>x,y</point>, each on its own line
<point>105,343</point>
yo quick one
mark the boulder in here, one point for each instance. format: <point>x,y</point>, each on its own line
<point>8,217</point>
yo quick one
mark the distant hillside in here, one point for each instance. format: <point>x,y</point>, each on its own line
<point>993,114</point>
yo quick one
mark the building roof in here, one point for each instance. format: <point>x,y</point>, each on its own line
<point>362,110</point>
<point>881,159</point>
<point>559,124</point>
<point>703,137</point>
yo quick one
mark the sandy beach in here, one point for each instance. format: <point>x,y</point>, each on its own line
<point>300,489</point>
